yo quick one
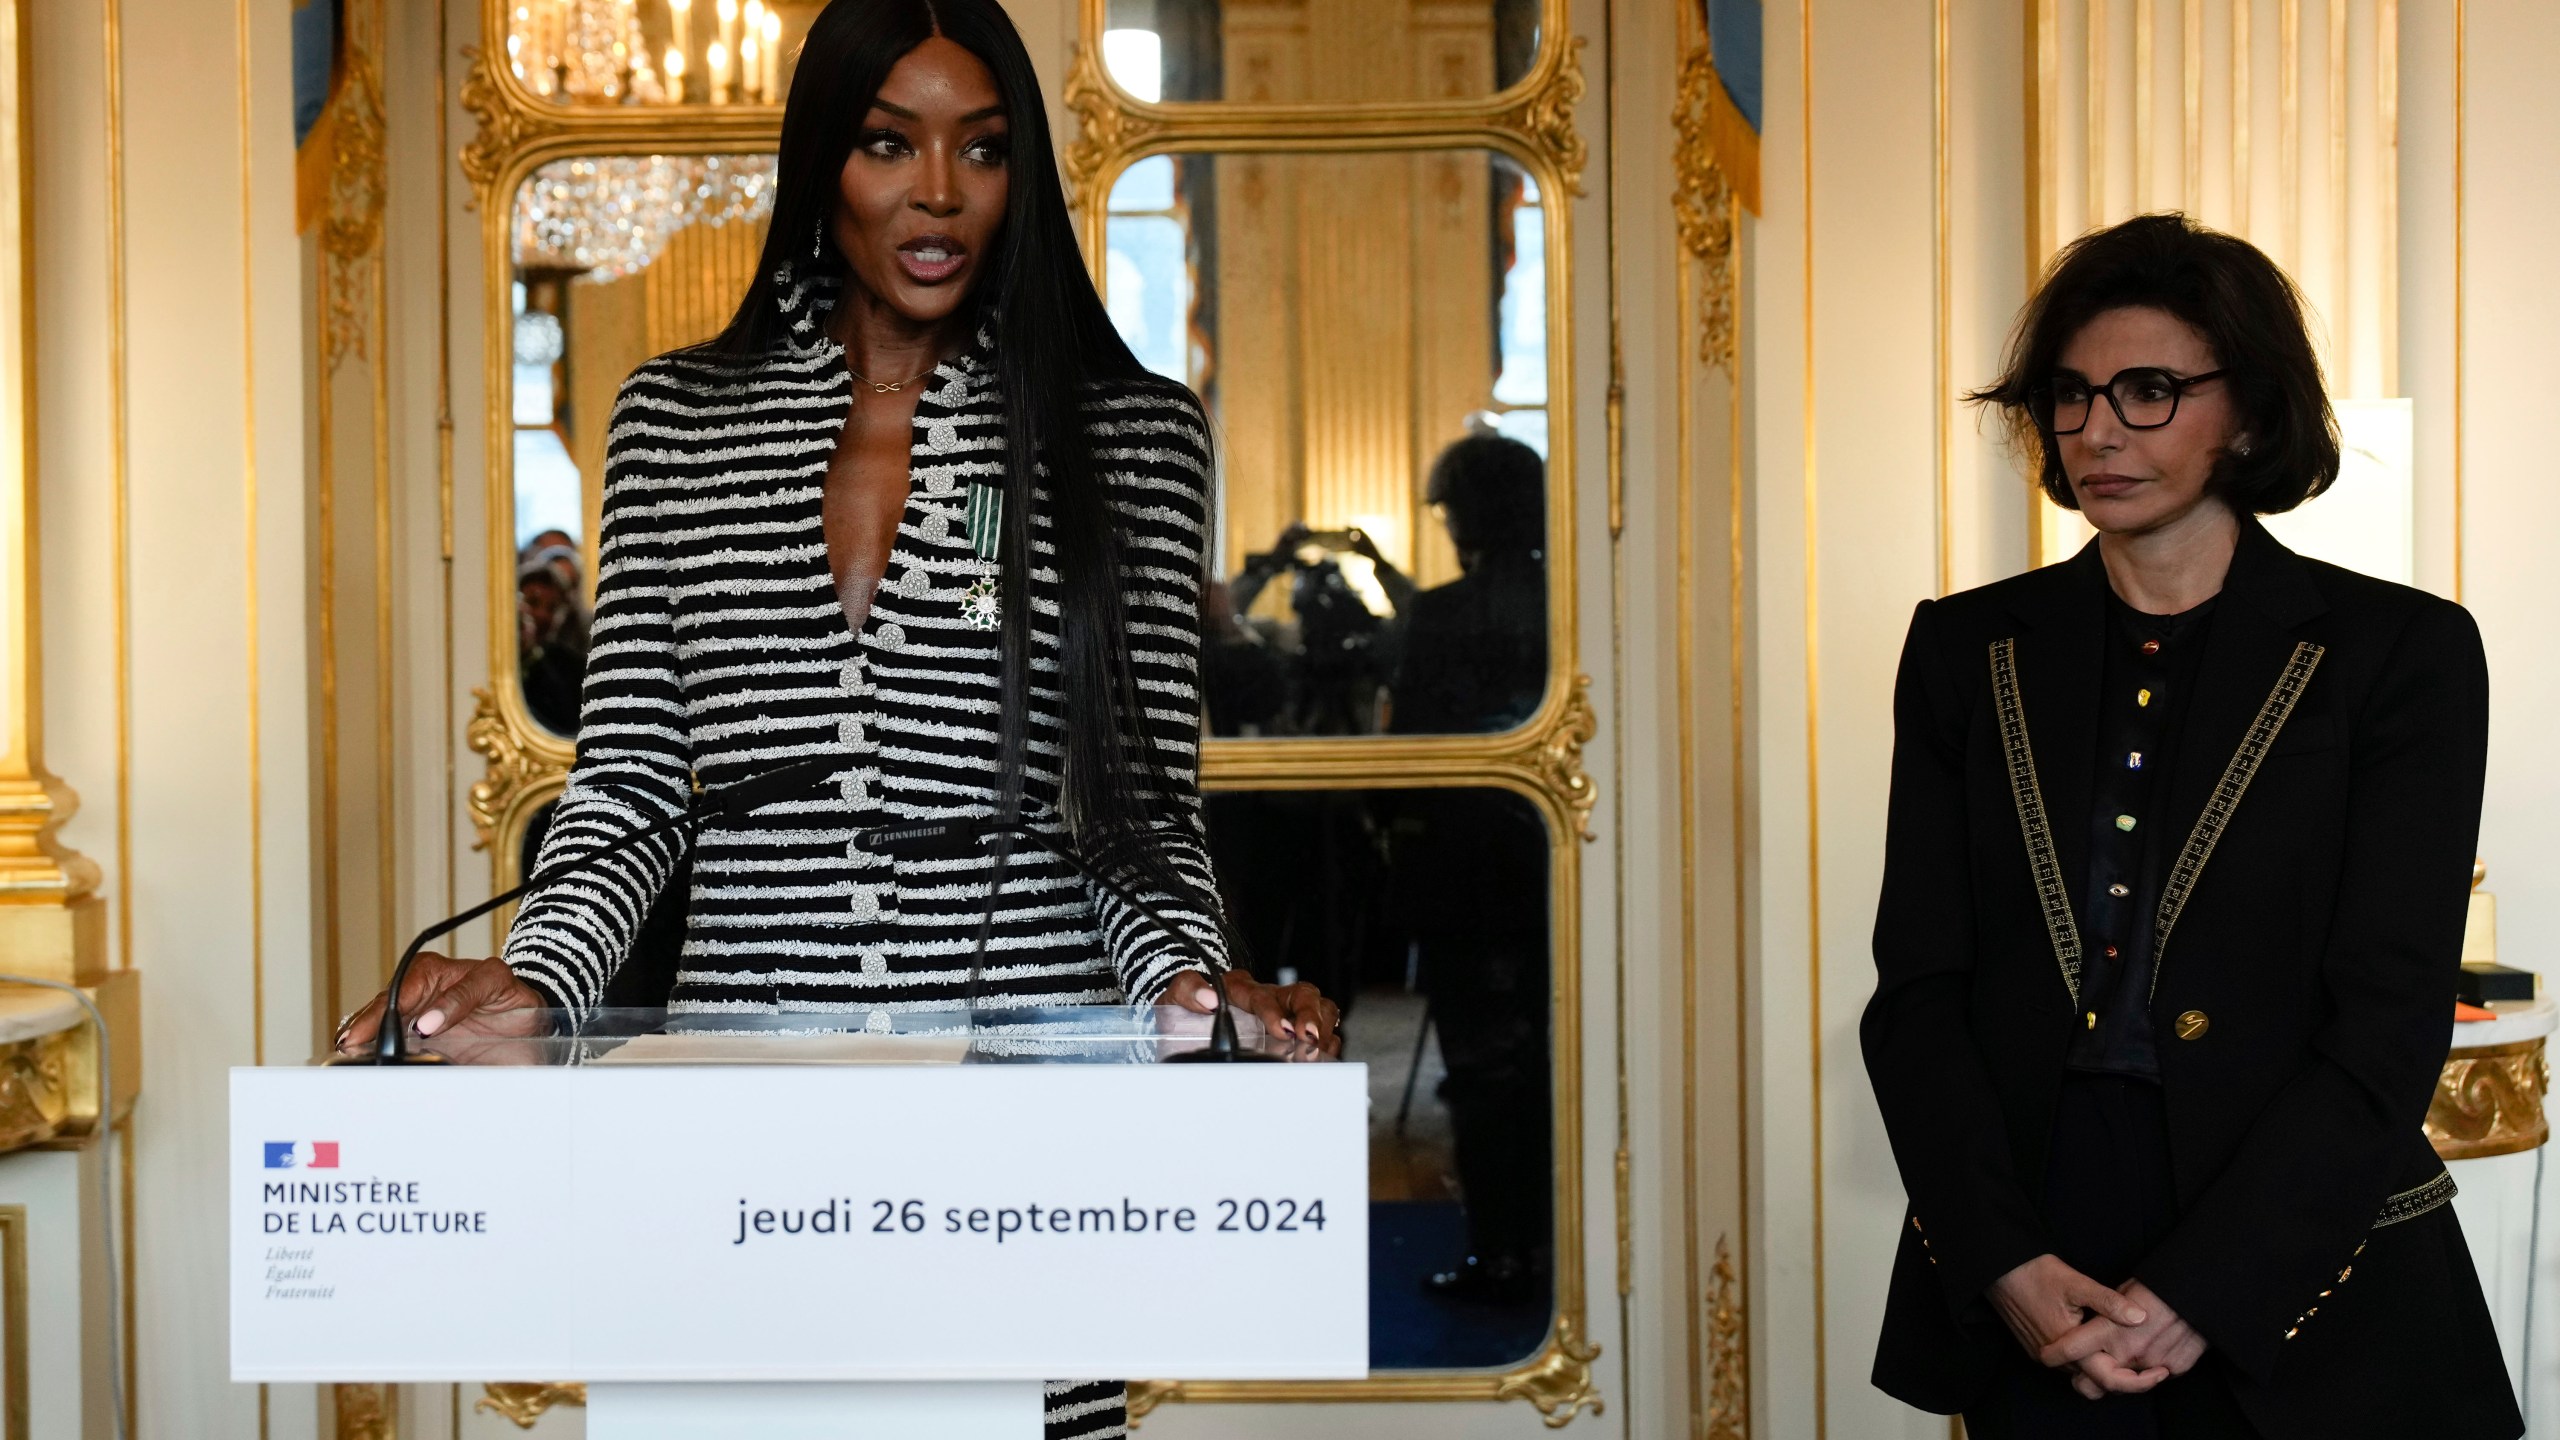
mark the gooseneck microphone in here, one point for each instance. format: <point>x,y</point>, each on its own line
<point>391,1038</point>
<point>942,838</point>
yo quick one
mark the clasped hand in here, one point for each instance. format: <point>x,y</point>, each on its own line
<point>2115,1342</point>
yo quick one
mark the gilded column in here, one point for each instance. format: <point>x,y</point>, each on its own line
<point>52,925</point>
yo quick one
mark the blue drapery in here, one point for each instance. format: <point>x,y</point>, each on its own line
<point>1733,29</point>
<point>315,58</point>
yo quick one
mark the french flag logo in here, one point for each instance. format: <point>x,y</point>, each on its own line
<point>302,1154</point>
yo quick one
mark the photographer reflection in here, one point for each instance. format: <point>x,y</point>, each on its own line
<point>1473,652</point>
<point>551,635</point>
<point>1244,681</point>
<point>1470,889</point>
<point>1471,865</point>
<point>1338,652</point>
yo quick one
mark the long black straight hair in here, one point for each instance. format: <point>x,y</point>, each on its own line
<point>1052,340</point>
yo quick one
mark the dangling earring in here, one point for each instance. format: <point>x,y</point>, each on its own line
<point>817,241</point>
<point>2240,448</point>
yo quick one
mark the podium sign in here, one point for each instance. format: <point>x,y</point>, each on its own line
<point>962,1222</point>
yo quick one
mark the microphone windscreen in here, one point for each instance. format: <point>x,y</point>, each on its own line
<point>790,782</point>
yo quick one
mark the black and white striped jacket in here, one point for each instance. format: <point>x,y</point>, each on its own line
<point>720,651</point>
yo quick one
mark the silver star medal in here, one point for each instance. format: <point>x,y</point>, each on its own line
<point>978,604</point>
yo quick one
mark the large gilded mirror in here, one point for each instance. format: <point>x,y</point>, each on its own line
<point>1370,335</point>
<point>1346,227</point>
<point>1345,224</point>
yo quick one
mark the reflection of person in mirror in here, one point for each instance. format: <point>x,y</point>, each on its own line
<point>919,510</point>
<point>551,641</point>
<point>1335,652</point>
<point>1474,651</point>
<point>1470,878</point>
<point>1471,864</point>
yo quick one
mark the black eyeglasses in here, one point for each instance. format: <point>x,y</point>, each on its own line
<point>2144,398</point>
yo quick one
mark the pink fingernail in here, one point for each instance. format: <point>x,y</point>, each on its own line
<point>431,1022</point>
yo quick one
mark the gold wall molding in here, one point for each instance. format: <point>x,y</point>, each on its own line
<point>16,1423</point>
<point>519,778</point>
<point>1704,203</point>
<point>1728,1386</point>
<point>1559,1382</point>
<point>2488,1100</point>
<point>1715,164</point>
<point>1559,755</point>
<point>1532,120</point>
<point>503,128</point>
<point>1544,117</point>
<point>35,1089</point>
<point>526,1401</point>
<point>351,236</point>
<point>367,1411</point>
<point>1103,128</point>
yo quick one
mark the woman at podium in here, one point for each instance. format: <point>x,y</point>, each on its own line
<point>920,508</point>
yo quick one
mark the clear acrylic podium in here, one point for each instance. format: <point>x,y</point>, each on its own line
<point>838,1224</point>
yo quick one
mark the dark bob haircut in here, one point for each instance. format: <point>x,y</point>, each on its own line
<point>2233,296</point>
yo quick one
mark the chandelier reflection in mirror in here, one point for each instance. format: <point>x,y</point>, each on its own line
<point>655,52</point>
<point>610,215</point>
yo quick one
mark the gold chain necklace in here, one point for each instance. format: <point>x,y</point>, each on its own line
<point>892,386</point>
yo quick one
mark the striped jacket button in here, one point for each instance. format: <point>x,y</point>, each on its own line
<point>2192,1024</point>
<point>893,635</point>
<point>851,732</point>
<point>866,902</point>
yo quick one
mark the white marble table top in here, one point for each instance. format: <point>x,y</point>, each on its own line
<point>2517,1020</point>
<point>27,1012</point>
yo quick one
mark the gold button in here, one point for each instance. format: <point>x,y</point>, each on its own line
<point>2193,1024</point>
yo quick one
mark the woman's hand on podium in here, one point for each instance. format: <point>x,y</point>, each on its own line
<point>446,996</point>
<point>1297,1014</point>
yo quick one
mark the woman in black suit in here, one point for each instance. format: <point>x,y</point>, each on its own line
<point>2177,851</point>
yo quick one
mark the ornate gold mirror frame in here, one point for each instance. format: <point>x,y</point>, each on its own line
<point>1531,122</point>
<point>517,132</point>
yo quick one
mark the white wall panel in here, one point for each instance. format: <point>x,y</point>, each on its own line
<point>219,889</point>
<point>2508,189</point>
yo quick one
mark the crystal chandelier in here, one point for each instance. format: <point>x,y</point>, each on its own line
<point>650,52</point>
<point>610,215</point>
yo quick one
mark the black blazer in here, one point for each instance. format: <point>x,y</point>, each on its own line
<point>2332,757</point>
